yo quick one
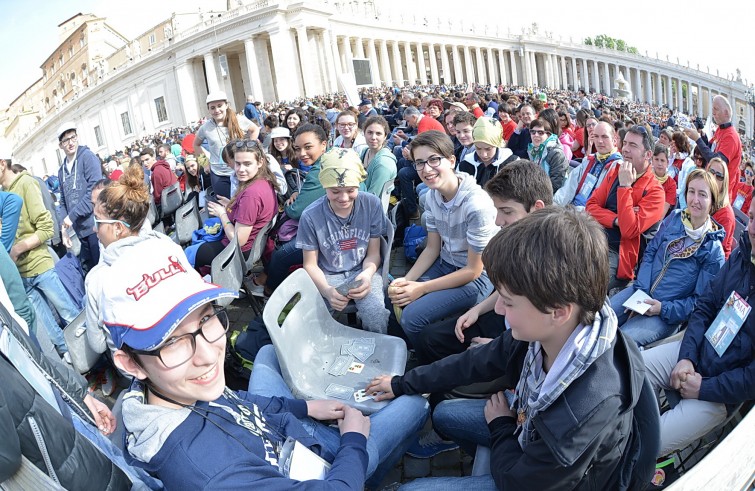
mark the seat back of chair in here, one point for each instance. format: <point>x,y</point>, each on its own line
<point>152,212</point>
<point>385,195</point>
<point>309,340</point>
<point>227,270</point>
<point>187,220</point>
<point>83,357</point>
<point>258,247</point>
<point>171,198</point>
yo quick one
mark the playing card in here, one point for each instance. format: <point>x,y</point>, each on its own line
<point>345,348</point>
<point>338,391</point>
<point>361,351</point>
<point>360,396</point>
<point>356,367</point>
<point>340,365</point>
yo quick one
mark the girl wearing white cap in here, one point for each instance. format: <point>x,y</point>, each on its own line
<point>222,127</point>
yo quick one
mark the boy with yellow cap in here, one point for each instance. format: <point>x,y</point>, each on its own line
<point>339,235</point>
<point>489,155</point>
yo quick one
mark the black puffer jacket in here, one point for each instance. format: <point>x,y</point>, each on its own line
<point>33,428</point>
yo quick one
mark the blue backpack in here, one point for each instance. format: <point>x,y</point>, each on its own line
<point>413,236</point>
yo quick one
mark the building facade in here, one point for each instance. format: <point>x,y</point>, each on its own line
<point>282,50</point>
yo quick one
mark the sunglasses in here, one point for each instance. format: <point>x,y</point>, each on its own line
<point>538,132</point>
<point>245,144</point>
<point>718,175</point>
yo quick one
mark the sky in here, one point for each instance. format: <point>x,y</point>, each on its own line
<point>30,33</point>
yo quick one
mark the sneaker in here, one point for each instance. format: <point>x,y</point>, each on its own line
<point>109,382</point>
<point>429,445</point>
<point>67,358</point>
<point>254,288</point>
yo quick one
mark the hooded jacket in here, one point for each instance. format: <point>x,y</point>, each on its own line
<point>161,177</point>
<point>97,335</point>
<point>481,172</point>
<point>586,439</point>
<point>728,378</point>
<point>678,282</point>
<point>76,189</point>
<point>381,169</point>
<point>231,443</point>
<point>469,221</point>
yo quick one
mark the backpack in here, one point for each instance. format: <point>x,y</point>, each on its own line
<point>413,236</point>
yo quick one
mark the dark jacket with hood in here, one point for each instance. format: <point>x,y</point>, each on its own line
<point>588,439</point>
<point>76,185</point>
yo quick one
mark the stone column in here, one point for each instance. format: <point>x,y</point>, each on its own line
<point>421,64</point>
<point>548,71</point>
<point>502,67</point>
<point>699,100</point>
<point>468,65</point>
<point>187,91</point>
<point>585,78</point>
<point>514,71</point>
<point>330,48</point>
<point>283,54</point>
<point>398,70</point>
<point>596,76</point>
<point>211,71</point>
<point>606,79</point>
<point>493,78</point>
<point>359,48</point>
<point>411,70</point>
<point>669,93</point>
<point>689,97</point>
<point>555,72</point>
<point>458,75</point>
<point>448,76</point>
<point>348,54</point>
<point>372,54</point>
<point>385,64</point>
<point>574,76</point>
<point>526,73</point>
<point>679,95</point>
<point>481,76</point>
<point>658,92</point>
<point>564,78</point>
<point>306,61</point>
<point>535,74</point>
<point>435,79</point>
<point>255,83</point>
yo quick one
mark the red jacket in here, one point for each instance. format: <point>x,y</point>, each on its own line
<point>725,218</point>
<point>161,178</point>
<point>726,140</point>
<point>647,194</point>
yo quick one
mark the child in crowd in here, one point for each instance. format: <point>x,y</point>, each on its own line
<point>339,235</point>
<point>283,150</point>
<point>187,428</point>
<point>574,422</point>
<point>464,123</point>
<point>660,167</point>
<point>519,189</point>
<point>448,276</point>
<point>489,154</point>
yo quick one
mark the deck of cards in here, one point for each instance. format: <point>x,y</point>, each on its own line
<point>359,348</point>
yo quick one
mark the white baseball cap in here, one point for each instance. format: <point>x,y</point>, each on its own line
<point>280,132</point>
<point>218,95</point>
<point>65,127</point>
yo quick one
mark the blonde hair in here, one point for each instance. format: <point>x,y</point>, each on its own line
<point>715,194</point>
<point>723,199</point>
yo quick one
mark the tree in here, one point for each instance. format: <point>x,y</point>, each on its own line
<point>606,41</point>
<point>621,45</point>
<point>633,50</point>
<point>588,41</point>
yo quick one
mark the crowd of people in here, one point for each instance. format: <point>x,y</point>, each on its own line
<point>568,235</point>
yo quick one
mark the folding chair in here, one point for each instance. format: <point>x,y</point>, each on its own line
<point>309,340</point>
<point>187,220</point>
<point>255,255</point>
<point>227,270</point>
<point>83,357</point>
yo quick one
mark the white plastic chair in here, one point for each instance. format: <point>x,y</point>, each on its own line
<point>309,340</point>
<point>83,357</point>
<point>170,199</point>
<point>227,270</point>
<point>385,195</point>
<point>187,220</point>
<point>385,255</point>
<point>152,212</point>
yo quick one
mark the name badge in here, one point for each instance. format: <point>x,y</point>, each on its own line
<point>727,323</point>
<point>739,201</point>
<point>587,186</point>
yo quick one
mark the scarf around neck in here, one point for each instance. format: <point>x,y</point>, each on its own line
<point>695,234</point>
<point>539,152</point>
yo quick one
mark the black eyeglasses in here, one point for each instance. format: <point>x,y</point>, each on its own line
<point>433,162</point>
<point>718,175</point>
<point>180,349</point>
<point>239,144</point>
<point>72,138</point>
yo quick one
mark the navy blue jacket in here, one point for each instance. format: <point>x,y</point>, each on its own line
<point>727,379</point>
<point>683,280</point>
<point>76,190</point>
<point>518,143</point>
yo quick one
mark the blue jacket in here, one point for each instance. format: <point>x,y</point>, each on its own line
<point>684,280</point>
<point>727,379</point>
<point>10,209</point>
<point>231,443</point>
<point>76,190</point>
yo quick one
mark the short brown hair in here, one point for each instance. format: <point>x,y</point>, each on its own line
<point>554,257</point>
<point>435,140</point>
<point>522,181</point>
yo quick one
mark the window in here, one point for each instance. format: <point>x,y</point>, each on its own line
<point>126,122</point>
<point>162,113</point>
<point>152,39</point>
<point>81,42</point>
<point>98,135</point>
<point>70,52</point>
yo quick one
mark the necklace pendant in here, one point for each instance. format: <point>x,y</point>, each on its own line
<point>345,228</point>
<point>521,417</point>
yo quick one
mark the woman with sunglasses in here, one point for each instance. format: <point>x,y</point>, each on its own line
<point>678,264</point>
<point>252,206</point>
<point>743,189</point>
<point>724,214</point>
<point>547,152</point>
<point>349,134</point>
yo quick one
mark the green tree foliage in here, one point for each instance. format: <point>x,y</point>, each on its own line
<point>588,41</point>
<point>606,41</point>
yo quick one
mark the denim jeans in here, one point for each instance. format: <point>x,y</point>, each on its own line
<point>643,329</point>
<point>477,483</point>
<point>408,177</point>
<point>440,304</point>
<point>392,429</point>
<point>140,479</point>
<point>463,421</point>
<point>90,251</point>
<point>48,286</point>
<point>281,262</point>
